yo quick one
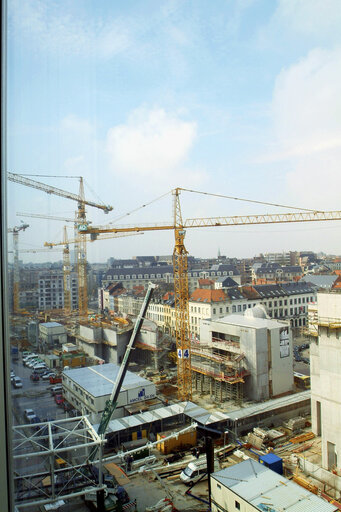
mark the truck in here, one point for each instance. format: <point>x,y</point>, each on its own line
<point>14,353</point>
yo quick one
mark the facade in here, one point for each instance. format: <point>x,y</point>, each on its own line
<point>51,290</point>
<point>251,486</point>
<point>89,388</point>
<point>283,258</point>
<point>325,358</point>
<point>288,301</point>
<point>132,277</point>
<point>252,348</point>
<point>273,273</point>
<point>52,335</point>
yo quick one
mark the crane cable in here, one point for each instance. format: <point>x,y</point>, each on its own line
<point>139,208</point>
<point>249,200</point>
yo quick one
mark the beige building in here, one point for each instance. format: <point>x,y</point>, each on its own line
<point>325,364</point>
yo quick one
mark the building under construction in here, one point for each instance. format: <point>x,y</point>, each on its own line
<point>243,356</point>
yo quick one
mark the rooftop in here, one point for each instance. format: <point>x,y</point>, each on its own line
<point>99,380</point>
<point>251,321</point>
<point>269,491</point>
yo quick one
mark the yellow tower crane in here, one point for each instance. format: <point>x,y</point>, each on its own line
<point>80,220</point>
<point>180,263</point>
<point>16,277</point>
<point>66,260</point>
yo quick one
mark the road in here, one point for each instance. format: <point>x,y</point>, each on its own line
<point>33,395</point>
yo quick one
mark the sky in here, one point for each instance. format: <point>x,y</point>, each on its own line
<point>233,97</point>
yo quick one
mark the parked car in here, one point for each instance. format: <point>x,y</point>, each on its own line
<point>46,376</point>
<point>59,399</point>
<point>56,390</point>
<point>31,363</point>
<point>34,377</point>
<point>29,359</point>
<point>17,382</point>
<point>29,414</point>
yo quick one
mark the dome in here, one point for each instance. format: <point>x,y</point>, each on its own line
<point>258,311</point>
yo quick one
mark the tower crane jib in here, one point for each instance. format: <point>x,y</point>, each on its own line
<point>181,267</point>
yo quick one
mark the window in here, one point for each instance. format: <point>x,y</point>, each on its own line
<point>237,505</point>
<point>214,311</point>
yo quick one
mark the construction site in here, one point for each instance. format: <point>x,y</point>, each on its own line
<point>114,428</point>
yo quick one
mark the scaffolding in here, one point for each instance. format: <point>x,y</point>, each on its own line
<point>51,461</point>
<point>219,375</point>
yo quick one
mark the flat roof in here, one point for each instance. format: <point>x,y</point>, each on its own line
<point>189,409</point>
<point>250,321</point>
<point>269,405</point>
<point>267,490</point>
<point>52,324</point>
<point>98,380</point>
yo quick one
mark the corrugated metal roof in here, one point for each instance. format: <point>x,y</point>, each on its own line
<point>197,414</point>
<point>261,486</point>
<point>269,405</point>
<point>99,380</point>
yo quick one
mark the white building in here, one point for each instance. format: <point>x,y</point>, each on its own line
<point>51,290</point>
<point>263,345</point>
<point>250,486</point>
<point>89,388</point>
<point>325,364</point>
<point>52,335</point>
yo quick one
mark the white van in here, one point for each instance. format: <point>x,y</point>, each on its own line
<point>195,470</point>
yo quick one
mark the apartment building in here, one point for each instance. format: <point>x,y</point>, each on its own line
<point>273,273</point>
<point>288,301</point>
<point>51,290</point>
<point>132,277</point>
<point>325,358</point>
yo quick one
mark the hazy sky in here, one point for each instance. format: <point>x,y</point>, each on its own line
<point>236,97</point>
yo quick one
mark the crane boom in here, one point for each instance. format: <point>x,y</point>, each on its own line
<point>236,220</point>
<point>180,264</point>
<point>105,237</point>
<point>110,405</point>
<point>22,180</point>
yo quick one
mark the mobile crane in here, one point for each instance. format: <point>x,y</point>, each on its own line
<point>111,404</point>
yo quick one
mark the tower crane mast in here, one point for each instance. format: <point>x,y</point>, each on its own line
<point>16,277</point>
<point>180,265</point>
<point>79,221</point>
